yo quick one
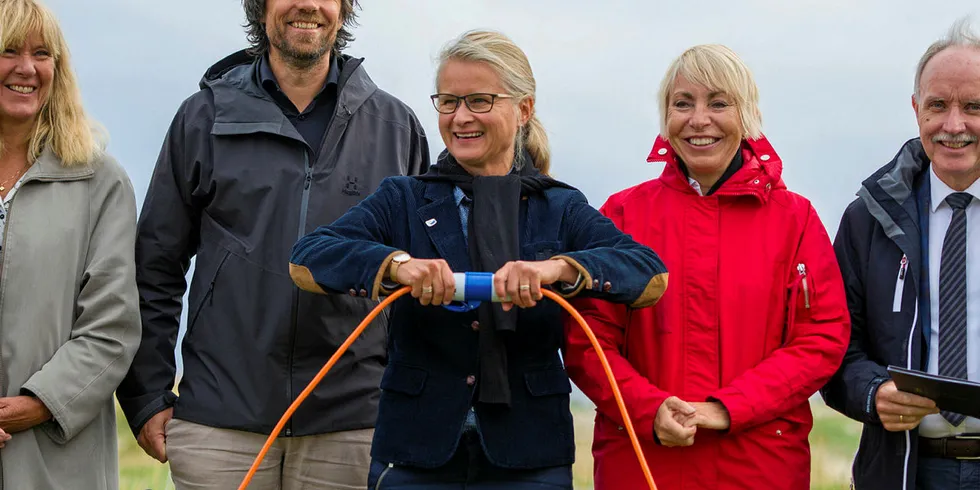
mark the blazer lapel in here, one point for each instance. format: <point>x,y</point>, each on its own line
<point>440,218</point>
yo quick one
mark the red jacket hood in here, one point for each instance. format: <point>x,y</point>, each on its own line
<point>761,171</point>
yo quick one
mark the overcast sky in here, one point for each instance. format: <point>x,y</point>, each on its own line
<point>835,76</point>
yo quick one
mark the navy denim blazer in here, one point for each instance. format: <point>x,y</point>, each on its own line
<point>432,352</point>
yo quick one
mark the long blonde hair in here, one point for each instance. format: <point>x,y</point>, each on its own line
<point>512,66</point>
<point>61,123</point>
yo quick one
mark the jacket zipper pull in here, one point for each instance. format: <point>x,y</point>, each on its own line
<point>309,177</point>
<point>905,264</point>
<point>801,268</point>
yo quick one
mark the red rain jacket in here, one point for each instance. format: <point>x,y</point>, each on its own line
<point>754,316</point>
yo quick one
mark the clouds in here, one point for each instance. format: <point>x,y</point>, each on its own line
<point>835,75</point>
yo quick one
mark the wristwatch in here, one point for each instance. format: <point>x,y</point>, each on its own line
<point>396,261</point>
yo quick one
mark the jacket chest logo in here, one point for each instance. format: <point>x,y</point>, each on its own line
<point>351,187</point>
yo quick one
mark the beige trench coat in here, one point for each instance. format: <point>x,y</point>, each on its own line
<point>69,320</point>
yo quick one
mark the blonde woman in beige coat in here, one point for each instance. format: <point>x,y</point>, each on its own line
<point>69,313</point>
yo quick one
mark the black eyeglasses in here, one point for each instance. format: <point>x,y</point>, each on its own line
<point>478,103</point>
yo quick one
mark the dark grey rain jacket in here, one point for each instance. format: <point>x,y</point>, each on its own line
<point>235,186</point>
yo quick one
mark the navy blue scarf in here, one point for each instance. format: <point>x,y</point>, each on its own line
<point>493,240</point>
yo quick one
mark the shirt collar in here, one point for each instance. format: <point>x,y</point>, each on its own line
<point>696,185</point>
<point>939,191</point>
<point>459,195</point>
<point>269,81</point>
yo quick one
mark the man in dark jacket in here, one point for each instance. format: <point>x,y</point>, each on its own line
<point>280,139</point>
<point>916,225</point>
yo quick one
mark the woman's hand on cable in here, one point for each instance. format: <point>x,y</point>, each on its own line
<point>521,281</point>
<point>431,280</point>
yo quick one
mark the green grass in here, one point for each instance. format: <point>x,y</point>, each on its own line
<point>137,471</point>
<point>833,442</point>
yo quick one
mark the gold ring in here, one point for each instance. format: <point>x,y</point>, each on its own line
<point>525,287</point>
<point>426,289</point>
<point>901,418</point>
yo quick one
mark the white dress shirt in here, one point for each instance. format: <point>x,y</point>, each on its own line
<point>940,216</point>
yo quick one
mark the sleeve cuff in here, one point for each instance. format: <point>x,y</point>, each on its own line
<point>156,406</point>
<point>738,406</point>
<point>870,407</point>
<point>381,278</point>
<point>584,278</point>
<point>568,288</point>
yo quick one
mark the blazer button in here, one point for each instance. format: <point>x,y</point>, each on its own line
<point>352,292</point>
<point>595,284</point>
<point>363,293</point>
<point>470,380</point>
<point>475,326</point>
<point>607,286</point>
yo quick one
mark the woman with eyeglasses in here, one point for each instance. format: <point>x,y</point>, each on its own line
<point>478,399</point>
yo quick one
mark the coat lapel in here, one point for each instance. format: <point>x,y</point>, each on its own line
<point>440,218</point>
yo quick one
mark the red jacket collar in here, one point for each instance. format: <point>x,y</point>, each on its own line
<point>760,173</point>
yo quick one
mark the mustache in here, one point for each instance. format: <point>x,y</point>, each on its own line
<point>307,17</point>
<point>954,138</point>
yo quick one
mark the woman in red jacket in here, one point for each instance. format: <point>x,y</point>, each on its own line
<point>717,375</point>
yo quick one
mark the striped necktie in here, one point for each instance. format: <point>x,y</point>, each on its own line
<point>952,298</point>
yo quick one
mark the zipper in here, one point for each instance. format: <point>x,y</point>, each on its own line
<point>900,284</point>
<point>377,486</point>
<point>208,296</point>
<point>3,260</point>
<point>801,268</point>
<point>294,316</point>
<point>6,228</point>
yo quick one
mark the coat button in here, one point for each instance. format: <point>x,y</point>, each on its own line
<point>756,181</point>
<point>662,151</point>
<point>352,292</point>
<point>363,293</point>
<point>607,286</point>
<point>475,326</point>
<point>595,284</point>
<point>470,380</point>
<point>779,432</point>
<point>764,158</point>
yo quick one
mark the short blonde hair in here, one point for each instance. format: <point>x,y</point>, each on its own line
<point>512,66</point>
<point>718,68</point>
<point>61,123</point>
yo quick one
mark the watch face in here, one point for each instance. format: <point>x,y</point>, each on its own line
<point>401,258</point>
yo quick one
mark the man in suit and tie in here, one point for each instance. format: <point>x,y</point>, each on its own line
<point>916,225</point>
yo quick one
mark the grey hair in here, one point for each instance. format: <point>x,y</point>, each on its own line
<point>259,40</point>
<point>510,63</point>
<point>959,34</point>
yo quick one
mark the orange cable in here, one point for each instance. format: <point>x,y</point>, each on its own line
<point>401,292</point>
